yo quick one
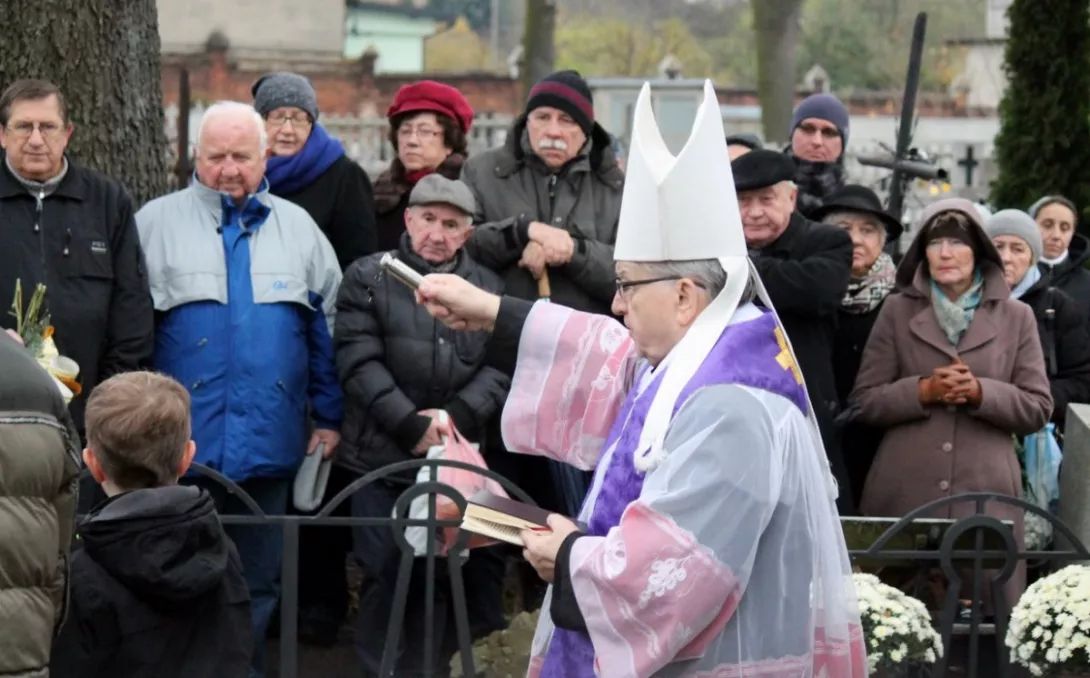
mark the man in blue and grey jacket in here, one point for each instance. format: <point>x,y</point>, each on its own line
<point>244,286</point>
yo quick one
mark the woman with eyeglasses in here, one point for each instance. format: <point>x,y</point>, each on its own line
<point>309,167</point>
<point>429,122</point>
<point>952,370</point>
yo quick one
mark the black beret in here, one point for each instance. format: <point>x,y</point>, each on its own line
<point>761,169</point>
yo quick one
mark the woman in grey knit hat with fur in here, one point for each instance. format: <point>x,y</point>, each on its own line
<point>1065,338</point>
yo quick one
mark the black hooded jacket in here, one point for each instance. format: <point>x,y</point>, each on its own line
<point>1065,340</point>
<point>157,592</point>
<point>1071,275</point>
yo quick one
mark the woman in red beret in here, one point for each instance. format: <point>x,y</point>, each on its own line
<point>429,122</point>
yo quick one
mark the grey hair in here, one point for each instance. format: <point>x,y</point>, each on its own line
<point>834,219</point>
<point>708,272</point>
<point>221,108</point>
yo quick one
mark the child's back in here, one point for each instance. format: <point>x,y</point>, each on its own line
<point>156,586</point>
<point>157,591</point>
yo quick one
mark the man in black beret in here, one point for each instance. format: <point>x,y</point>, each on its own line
<point>806,267</point>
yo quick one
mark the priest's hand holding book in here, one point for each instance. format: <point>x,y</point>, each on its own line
<point>541,546</point>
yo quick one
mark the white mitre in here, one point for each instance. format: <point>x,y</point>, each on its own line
<point>684,208</point>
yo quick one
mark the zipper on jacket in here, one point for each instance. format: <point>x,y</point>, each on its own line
<point>39,200</point>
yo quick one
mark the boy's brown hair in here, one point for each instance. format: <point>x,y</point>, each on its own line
<point>138,427</point>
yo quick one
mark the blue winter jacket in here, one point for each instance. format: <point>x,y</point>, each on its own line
<point>244,299</point>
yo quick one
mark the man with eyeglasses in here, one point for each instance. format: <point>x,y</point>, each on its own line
<point>819,138</point>
<point>710,544</point>
<point>71,229</point>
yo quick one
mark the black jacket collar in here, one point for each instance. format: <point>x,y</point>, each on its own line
<point>73,186</point>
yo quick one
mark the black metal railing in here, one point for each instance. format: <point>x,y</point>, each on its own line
<point>915,541</point>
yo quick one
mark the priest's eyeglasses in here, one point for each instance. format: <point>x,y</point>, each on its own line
<point>624,285</point>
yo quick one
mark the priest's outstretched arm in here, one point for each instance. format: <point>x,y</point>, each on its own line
<point>571,370</point>
<point>661,586</point>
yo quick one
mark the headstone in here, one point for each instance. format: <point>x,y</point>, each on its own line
<point>1074,509</point>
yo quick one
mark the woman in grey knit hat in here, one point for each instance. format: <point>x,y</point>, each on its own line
<point>1064,333</point>
<point>309,167</point>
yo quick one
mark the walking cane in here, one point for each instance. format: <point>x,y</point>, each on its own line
<point>570,483</point>
<point>543,289</point>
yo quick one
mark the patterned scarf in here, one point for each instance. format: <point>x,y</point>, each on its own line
<point>954,316</point>
<point>866,293</point>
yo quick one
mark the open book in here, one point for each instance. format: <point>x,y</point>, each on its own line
<point>501,518</point>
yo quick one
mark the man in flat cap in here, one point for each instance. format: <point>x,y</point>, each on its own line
<point>806,267</point>
<point>407,380</point>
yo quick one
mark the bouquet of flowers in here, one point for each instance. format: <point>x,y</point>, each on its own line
<point>32,325</point>
<point>1049,631</point>
<point>897,627</point>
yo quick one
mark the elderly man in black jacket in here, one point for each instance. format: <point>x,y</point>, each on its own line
<point>401,370</point>
<point>806,268</point>
<point>72,230</point>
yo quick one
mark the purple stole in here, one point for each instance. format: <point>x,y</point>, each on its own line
<point>750,353</point>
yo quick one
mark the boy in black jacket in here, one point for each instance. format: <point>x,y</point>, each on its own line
<point>156,586</point>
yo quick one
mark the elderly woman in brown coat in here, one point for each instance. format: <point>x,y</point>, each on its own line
<point>952,369</point>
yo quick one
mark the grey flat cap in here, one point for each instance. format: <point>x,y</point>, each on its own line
<point>436,189</point>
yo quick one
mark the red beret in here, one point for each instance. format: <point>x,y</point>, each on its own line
<point>428,95</point>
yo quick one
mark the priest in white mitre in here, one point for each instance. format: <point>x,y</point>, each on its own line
<point>713,546</point>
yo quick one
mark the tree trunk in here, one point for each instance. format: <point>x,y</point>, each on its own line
<point>104,55</point>
<point>538,45</point>
<point>776,23</point>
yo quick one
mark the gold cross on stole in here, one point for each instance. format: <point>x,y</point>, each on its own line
<point>785,359</point>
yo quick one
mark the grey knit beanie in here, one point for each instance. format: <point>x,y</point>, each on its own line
<point>275,90</point>
<point>1019,224</point>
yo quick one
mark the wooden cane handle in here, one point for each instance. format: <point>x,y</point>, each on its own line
<point>543,289</point>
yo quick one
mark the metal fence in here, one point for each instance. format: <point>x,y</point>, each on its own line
<point>976,543</point>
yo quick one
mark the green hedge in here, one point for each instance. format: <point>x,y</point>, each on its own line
<point>1043,145</point>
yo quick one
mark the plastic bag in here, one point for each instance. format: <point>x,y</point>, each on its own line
<point>1042,458</point>
<point>468,483</point>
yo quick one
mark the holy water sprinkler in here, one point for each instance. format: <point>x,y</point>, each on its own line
<point>401,271</point>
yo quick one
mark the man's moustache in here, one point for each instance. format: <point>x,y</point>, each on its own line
<point>558,144</point>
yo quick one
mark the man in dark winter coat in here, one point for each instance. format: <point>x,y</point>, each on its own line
<point>819,138</point>
<point>806,268</point>
<point>39,464</point>
<point>309,167</point>
<point>72,230</point>
<point>406,378</point>
<point>549,199</point>
<point>548,203</point>
<point>157,587</point>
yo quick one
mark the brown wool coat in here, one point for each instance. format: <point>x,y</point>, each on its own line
<point>939,451</point>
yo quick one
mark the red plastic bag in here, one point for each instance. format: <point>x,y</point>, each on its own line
<point>468,483</point>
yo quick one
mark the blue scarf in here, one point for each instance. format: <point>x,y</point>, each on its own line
<point>1028,280</point>
<point>290,173</point>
